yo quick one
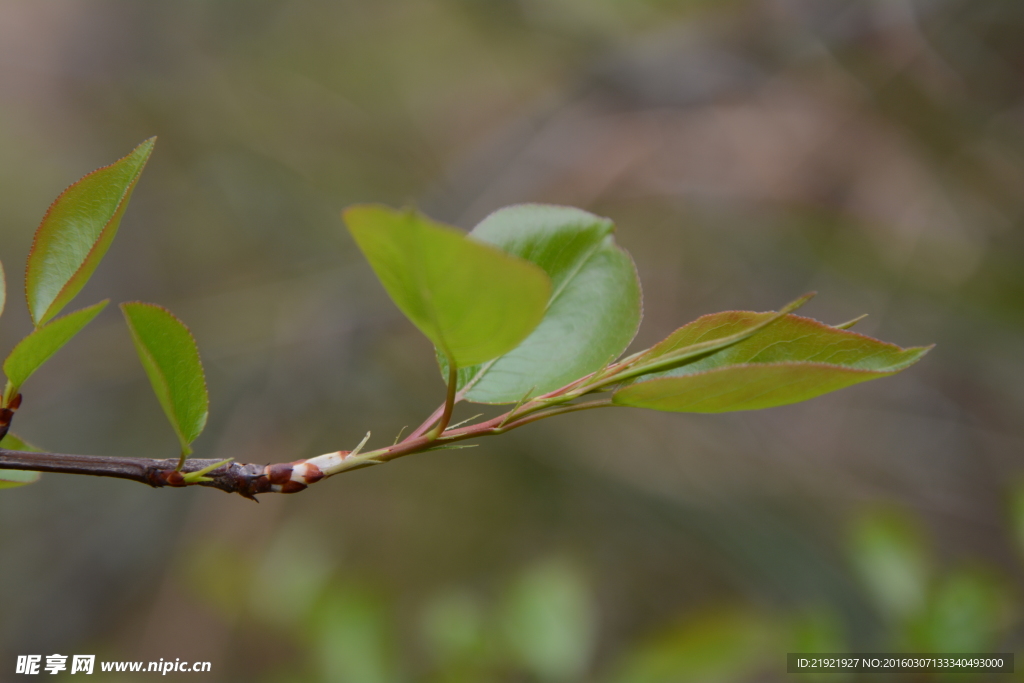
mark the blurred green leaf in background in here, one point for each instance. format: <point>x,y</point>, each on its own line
<point>549,622</point>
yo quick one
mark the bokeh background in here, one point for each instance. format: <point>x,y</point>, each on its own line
<point>748,150</point>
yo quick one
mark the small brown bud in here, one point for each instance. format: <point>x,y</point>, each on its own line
<point>313,473</point>
<point>279,473</point>
<point>260,484</point>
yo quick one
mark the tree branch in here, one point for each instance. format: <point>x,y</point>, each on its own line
<point>248,480</point>
<point>428,423</point>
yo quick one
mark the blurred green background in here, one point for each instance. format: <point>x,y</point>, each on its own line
<point>749,151</point>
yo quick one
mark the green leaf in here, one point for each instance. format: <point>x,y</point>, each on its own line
<point>169,354</point>
<point>77,231</point>
<point>35,349</point>
<point>473,301</point>
<point>683,347</point>
<point>592,314</point>
<point>12,478</point>
<point>792,359</point>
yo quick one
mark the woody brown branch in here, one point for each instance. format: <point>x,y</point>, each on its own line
<point>248,480</point>
<point>244,479</point>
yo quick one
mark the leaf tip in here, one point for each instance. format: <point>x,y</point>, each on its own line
<point>61,260</point>
<point>354,211</point>
<point>146,146</point>
<point>170,356</point>
<point>914,354</point>
<point>850,323</point>
<point>793,305</point>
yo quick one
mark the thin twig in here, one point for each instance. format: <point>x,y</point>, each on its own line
<point>244,479</point>
<point>427,424</point>
<point>250,479</point>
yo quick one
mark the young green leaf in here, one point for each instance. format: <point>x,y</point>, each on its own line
<point>35,349</point>
<point>592,314</point>
<point>11,478</point>
<point>691,342</point>
<point>793,359</point>
<point>473,301</point>
<point>77,231</point>
<point>171,360</point>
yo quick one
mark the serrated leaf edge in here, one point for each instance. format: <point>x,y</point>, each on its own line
<point>100,306</point>
<point>175,423</point>
<point>120,204</point>
<point>891,370</point>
